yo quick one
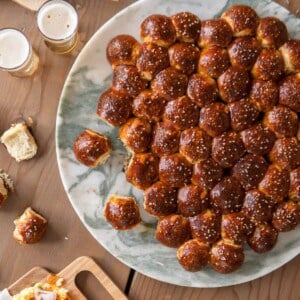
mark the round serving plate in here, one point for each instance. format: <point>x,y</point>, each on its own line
<point>89,188</point>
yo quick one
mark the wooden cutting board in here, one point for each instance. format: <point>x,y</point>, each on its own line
<point>69,274</point>
<point>31,4</point>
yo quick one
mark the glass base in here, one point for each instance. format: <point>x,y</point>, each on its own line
<point>62,47</point>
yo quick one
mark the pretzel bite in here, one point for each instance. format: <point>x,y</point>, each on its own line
<point>227,149</point>
<point>263,239</point>
<point>271,32</point>
<point>184,57</point>
<point>290,52</point>
<point>235,228</point>
<point>289,91</point>
<point>207,173</point>
<point>226,257</point>
<point>282,121</point>
<point>234,84</point>
<point>122,212</point>
<point>206,226</point>
<point>193,255</point>
<point>250,170</point>
<point>6,187</point>
<point>286,153</point>
<point>195,145</point>
<point>286,217</point>
<point>264,94</point>
<point>182,113</point>
<point>215,119</point>
<point>192,200</point>
<point>243,114</point>
<point>92,148</point>
<point>173,231</point>
<point>214,61</point>
<point>202,89</point>
<point>258,139</point>
<point>122,50</point>
<point>165,139</point>
<point>257,207</point>
<point>175,170</point>
<point>149,105</point>
<point>215,32</point>
<point>170,84</point>
<point>142,170</point>
<point>187,27</point>
<point>275,184</point>
<point>114,107</point>
<point>294,193</point>
<point>158,29</point>
<point>227,196</point>
<point>151,60</point>
<point>243,52</point>
<point>136,135</point>
<point>160,200</point>
<point>269,65</point>
<point>127,79</point>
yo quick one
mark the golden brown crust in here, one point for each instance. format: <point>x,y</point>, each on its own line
<point>152,59</point>
<point>250,170</point>
<point>291,55</point>
<point>227,149</point>
<point>195,145</point>
<point>257,207</point>
<point>127,79</point>
<point>136,135</point>
<point>215,32</point>
<point>175,170</point>
<point>160,200</point>
<point>275,184</point>
<point>193,255</point>
<point>269,65</point>
<point>142,170</point>
<point>192,200</point>
<point>226,257</point>
<point>206,226</point>
<point>264,94</point>
<point>263,239</point>
<point>122,50</point>
<point>91,148</point>
<point>271,32</point>
<point>294,193</point>
<point>114,107</point>
<point>289,91</point>
<point>215,119</point>
<point>242,19</point>
<point>282,121</point>
<point>286,217</point>
<point>173,231</point>
<point>182,113</point>
<point>214,61</point>
<point>122,212</point>
<point>243,52</point>
<point>187,27</point>
<point>158,29</point>
<point>170,84</point>
<point>227,196</point>
<point>202,89</point>
<point>165,139</point>
<point>234,84</point>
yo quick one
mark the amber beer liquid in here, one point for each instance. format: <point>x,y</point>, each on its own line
<point>57,21</point>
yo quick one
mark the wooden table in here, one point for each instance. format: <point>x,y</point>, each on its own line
<point>38,183</point>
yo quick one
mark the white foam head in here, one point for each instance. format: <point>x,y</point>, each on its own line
<point>14,48</point>
<point>57,20</point>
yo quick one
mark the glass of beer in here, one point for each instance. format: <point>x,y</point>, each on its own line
<point>57,21</point>
<point>16,54</point>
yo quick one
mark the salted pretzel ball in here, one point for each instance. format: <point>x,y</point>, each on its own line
<point>289,91</point>
<point>290,52</point>
<point>294,192</point>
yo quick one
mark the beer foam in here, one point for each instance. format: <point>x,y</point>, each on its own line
<point>57,20</point>
<point>14,48</point>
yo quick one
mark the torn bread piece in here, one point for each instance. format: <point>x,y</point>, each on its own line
<point>6,186</point>
<point>19,142</point>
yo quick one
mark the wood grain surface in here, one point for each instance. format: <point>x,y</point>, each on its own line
<point>38,183</point>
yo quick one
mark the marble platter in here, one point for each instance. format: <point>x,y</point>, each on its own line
<point>88,189</point>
